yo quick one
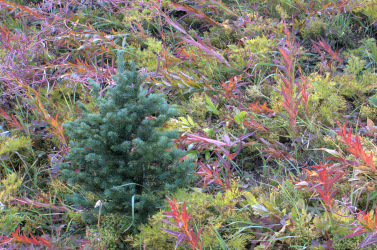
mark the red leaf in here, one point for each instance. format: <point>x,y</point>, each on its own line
<point>21,238</point>
<point>181,220</point>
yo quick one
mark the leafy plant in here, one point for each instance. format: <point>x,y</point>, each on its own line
<point>23,239</point>
<point>291,100</point>
<point>210,106</point>
<point>354,146</point>
<point>334,56</point>
<point>223,151</point>
<point>365,224</point>
<point>322,180</point>
<point>181,220</point>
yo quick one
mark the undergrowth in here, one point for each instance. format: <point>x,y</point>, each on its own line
<point>271,145</point>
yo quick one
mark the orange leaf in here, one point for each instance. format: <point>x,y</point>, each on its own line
<point>21,238</point>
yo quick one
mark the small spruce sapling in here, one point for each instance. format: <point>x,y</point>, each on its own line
<point>120,155</point>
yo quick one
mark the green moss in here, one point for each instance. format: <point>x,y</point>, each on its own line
<point>14,143</point>
<point>350,243</point>
<point>112,226</point>
<point>10,185</point>
<point>10,219</point>
<point>259,48</point>
<point>368,8</point>
<point>356,82</point>
<point>73,218</point>
<point>145,55</point>
<point>325,102</point>
<point>302,235</point>
<point>136,40</point>
<point>314,28</point>
<point>368,111</point>
<point>197,106</point>
<point>220,37</point>
<point>64,99</point>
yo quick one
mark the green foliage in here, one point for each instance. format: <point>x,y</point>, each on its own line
<point>221,37</point>
<point>259,47</point>
<point>314,28</point>
<point>355,65</point>
<point>10,185</point>
<point>325,101</point>
<point>370,52</point>
<point>14,143</point>
<point>356,82</point>
<point>119,154</point>
<point>333,226</point>
<point>341,30</point>
<point>64,99</point>
<point>368,111</point>
<point>197,106</point>
<point>368,8</point>
<point>146,55</point>
<point>9,220</point>
<point>101,18</point>
<point>367,52</point>
<point>74,218</point>
<point>9,215</point>
<point>112,226</point>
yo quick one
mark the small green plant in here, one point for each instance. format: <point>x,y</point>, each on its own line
<point>239,118</point>
<point>120,155</point>
<point>211,107</point>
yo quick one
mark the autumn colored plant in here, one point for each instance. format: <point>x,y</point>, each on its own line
<point>322,180</point>
<point>365,223</point>
<point>260,108</point>
<point>48,65</point>
<point>251,123</point>
<point>187,78</point>
<point>12,121</point>
<point>291,100</point>
<point>196,12</point>
<point>20,10</point>
<point>334,56</point>
<point>276,150</point>
<point>23,239</point>
<point>230,88</point>
<point>224,148</point>
<point>56,126</point>
<point>355,147</point>
<point>181,220</point>
<point>210,173</point>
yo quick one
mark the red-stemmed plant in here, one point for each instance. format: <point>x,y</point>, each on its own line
<point>355,147</point>
<point>181,220</point>
<point>291,100</point>
<point>23,239</point>
<point>322,180</point>
<point>365,224</point>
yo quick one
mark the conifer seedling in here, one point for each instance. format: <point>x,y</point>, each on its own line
<point>120,155</point>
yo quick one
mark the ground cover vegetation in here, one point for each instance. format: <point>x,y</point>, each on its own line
<point>203,124</point>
